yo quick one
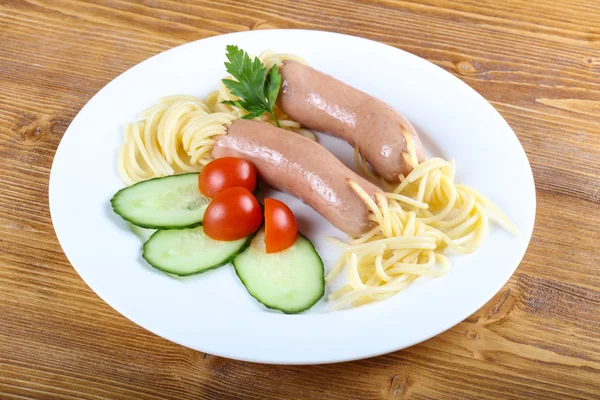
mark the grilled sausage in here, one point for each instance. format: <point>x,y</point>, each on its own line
<point>321,102</point>
<point>301,167</point>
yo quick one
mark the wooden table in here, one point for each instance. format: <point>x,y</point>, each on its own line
<point>536,61</point>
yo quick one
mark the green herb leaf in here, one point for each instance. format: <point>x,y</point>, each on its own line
<point>234,103</point>
<point>272,86</point>
<point>254,114</point>
<point>257,93</point>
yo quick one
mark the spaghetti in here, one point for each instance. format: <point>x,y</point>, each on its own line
<point>177,134</point>
<point>415,223</point>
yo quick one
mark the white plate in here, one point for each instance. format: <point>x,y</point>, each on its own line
<point>212,312</point>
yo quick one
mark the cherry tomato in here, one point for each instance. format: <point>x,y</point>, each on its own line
<point>281,229</point>
<point>225,173</point>
<point>232,214</point>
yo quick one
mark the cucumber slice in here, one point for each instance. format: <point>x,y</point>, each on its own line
<point>143,233</point>
<point>189,251</point>
<point>291,281</point>
<point>171,202</point>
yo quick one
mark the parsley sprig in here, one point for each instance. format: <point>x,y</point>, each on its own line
<point>257,90</point>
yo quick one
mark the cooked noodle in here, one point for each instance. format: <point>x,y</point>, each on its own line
<point>416,221</point>
<point>177,134</point>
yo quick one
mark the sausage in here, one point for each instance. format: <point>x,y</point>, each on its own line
<point>303,168</point>
<point>319,101</point>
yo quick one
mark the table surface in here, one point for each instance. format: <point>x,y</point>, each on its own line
<point>536,61</point>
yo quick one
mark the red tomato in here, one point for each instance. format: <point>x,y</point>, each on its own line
<point>281,229</point>
<point>225,173</point>
<point>232,214</point>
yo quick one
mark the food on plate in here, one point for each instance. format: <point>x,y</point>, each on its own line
<point>255,86</point>
<point>384,137</point>
<point>291,280</point>
<point>281,229</point>
<point>303,168</point>
<point>282,270</point>
<point>190,251</point>
<point>232,214</point>
<point>403,212</point>
<point>176,135</point>
<point>226,173</point>
<point>416,221</point>
<point>162,203</point>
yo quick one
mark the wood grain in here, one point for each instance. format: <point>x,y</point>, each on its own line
<point>536,61</point>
